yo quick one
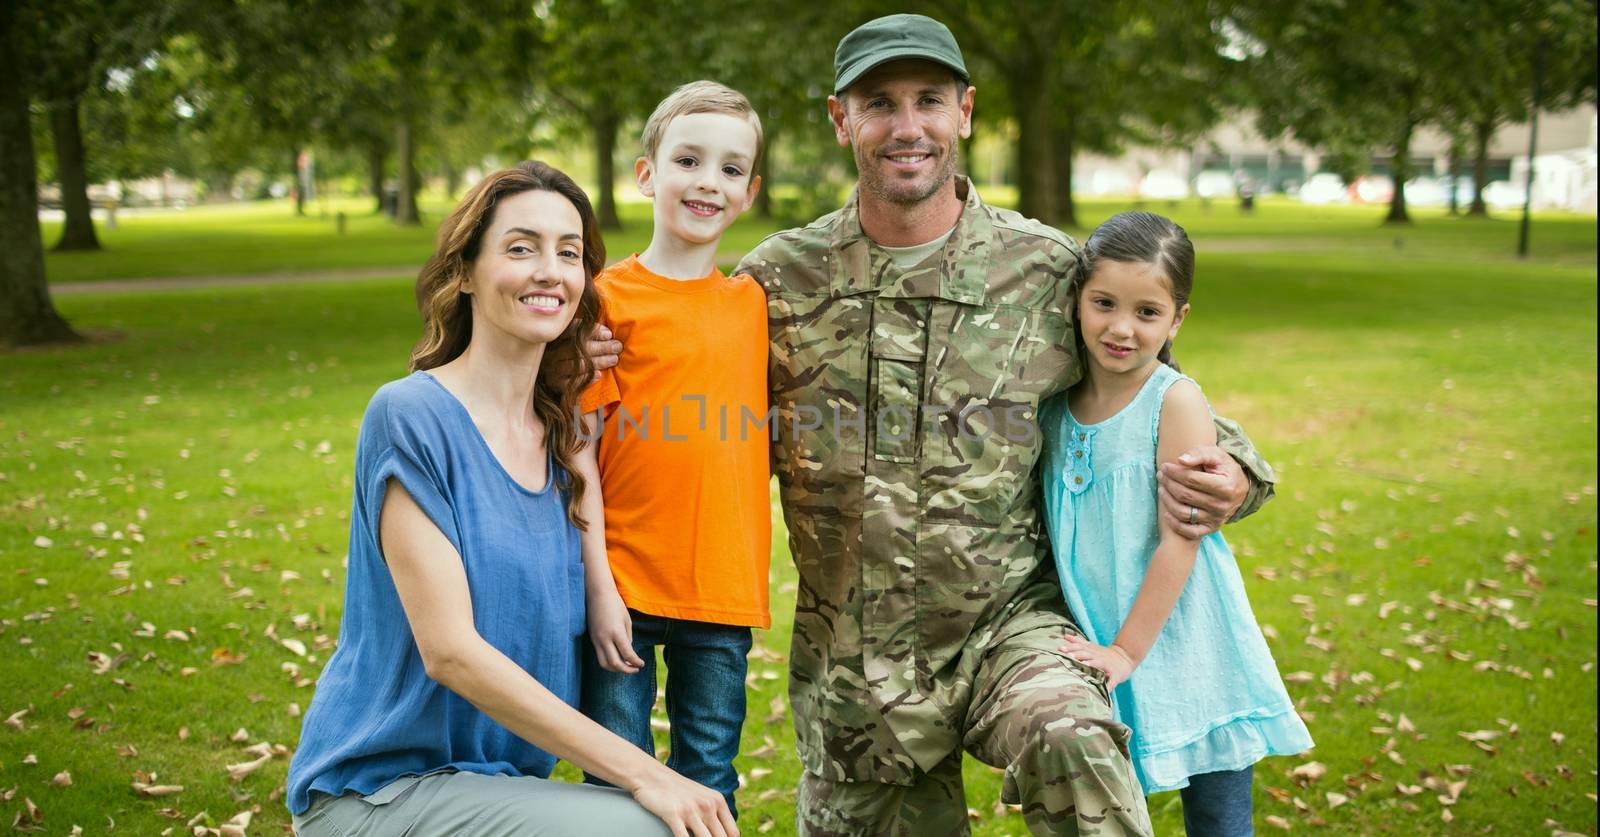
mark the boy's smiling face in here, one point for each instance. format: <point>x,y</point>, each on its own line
<point>701,178</point>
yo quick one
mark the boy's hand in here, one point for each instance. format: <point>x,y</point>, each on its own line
<point>1110,659</point>
<point>611,631</point>
<point>1201,491</point>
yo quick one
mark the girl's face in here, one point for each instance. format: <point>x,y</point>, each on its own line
<point>528,278</point>
<point>1126,314</point>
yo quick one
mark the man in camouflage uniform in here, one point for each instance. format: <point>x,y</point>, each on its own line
<point>907,374</point>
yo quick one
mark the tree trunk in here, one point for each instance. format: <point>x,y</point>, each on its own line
<point>1483,131</point>
<point>77,233</point>
<point>27,316</point>
<point>604,123</point>
<point>452,180</point>
<point>1455,176</point>
<point>406,211</point>
<point>1400,172</point>
<point>1035,166</point>
<point>764,169</point>
<point>1066,143</point>
<point>294,177</point>
<point>375,154</point>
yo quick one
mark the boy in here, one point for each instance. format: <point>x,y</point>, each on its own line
<point>687,526</point>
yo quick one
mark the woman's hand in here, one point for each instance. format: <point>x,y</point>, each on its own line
<point>1110,659</point>
<point>688,808</point>
<point>611,631</point>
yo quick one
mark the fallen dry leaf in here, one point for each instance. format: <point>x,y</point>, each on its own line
<point>156,790</point>
<point>236,826</point>
<point>61,780</point>
<point>1309,772</point>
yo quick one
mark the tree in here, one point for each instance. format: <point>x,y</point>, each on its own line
<point>1351,74</point>
<point>593,73</point>
<point>281,60</point>
<point>1078,77</point>
<point>27,316</point>
<point>1492,67</point>
<point>69,44</point>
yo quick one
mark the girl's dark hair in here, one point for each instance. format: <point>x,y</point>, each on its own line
<point>1148,238</point>
<point>447,311</point>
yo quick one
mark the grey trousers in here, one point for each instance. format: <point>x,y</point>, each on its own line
<point>472,805</point>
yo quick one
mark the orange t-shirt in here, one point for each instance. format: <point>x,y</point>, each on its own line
<point>684,473</point>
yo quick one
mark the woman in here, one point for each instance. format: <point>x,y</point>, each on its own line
<point>451,694</point>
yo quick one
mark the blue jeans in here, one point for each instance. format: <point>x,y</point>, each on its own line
<point>706,665</point>
<point>1218,804</point>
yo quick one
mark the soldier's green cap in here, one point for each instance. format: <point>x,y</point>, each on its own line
<point>891,39</point>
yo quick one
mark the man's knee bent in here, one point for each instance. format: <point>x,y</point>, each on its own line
<point>1075,742</point>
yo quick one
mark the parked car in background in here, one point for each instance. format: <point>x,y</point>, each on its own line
<point>1372,188</point>
<point>1426,191</point>
<point>1163,185</point>
<point>1214,184</point>
<point>1105,182</point>
<point>1324,188</point>
<point>1503,194</point>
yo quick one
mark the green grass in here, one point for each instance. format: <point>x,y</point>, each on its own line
<point>266,236</point>
<point>1431,409</point>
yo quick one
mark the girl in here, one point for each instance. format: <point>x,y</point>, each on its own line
<point>1163,616</point>
<point>452,692</point>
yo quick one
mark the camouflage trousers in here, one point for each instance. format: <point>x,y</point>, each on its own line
<point>1039,716</point>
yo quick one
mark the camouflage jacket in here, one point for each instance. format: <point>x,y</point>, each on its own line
<point>905,446</point>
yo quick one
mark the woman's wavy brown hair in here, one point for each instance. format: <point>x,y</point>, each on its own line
<point>447,311</point>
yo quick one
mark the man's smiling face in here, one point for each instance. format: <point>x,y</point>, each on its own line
<point>903,121</point>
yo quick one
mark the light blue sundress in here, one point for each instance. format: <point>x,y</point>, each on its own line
<point>1207,697</point>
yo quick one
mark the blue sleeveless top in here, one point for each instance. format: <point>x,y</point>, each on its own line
<point>1208,696</point>
<point>377,715</point>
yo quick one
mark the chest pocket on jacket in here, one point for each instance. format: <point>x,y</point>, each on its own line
<point>990,378</point>
<point>899,348</point>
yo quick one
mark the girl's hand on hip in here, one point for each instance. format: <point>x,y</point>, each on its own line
<point>689,808</point>
<point>611,631</point>
<point>1110,659</point>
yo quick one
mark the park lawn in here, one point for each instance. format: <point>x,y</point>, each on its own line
<point>266,237</point>
<point>1427,571</point>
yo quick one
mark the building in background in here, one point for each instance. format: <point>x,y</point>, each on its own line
<point>1234,154</point>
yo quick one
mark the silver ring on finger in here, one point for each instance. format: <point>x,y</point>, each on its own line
<point>1194,515</point>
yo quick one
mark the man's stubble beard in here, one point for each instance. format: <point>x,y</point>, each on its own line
<point>888,191</point>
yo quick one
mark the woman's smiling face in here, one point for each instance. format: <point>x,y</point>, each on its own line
<point>528,277</point>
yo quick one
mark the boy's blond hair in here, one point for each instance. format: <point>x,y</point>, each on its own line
<point>700,97</point>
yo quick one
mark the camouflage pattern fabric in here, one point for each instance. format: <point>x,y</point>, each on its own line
<point>1041,717</point>
<point>905,448</point>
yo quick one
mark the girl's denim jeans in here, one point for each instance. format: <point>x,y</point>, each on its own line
<point>1218,804</point>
